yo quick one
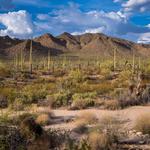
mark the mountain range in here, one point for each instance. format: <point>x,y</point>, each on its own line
<point>76,45</point>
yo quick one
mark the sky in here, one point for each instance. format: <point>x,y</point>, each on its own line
<point>128,19</point>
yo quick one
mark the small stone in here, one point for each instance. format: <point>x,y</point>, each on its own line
<point>141,142</point>
<point>139,133</point>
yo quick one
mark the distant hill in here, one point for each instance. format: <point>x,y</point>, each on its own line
<point>85,45</point>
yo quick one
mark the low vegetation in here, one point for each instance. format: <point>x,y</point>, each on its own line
<point>30,95</point>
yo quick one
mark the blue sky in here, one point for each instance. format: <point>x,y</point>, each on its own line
<point>129,19</point>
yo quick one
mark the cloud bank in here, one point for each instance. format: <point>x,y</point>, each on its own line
<point>73,19</point>
<point>17,24</point>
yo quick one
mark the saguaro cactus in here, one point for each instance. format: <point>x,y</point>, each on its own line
<point>16,60</point>
<point>133,62</point>
<point>139,63</point>
<point>48,60</point>
<point>114,59</point>
<point>21,59</point>
<point>30,58</point>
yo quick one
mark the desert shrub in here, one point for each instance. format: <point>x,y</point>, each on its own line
<point>32,93</point>
<point>142,123</point>
<point>87,95</point>
<point>5,119</point>
<point>110,125</point>
<point>77,145</point>
<point>83,100</point>
<point>106,67</point>
<point>123,78</point>
<point>4,71</point>
<point>127,99</point>
<point>60,99</point>
<point>111,104</point>
<point>19,118</point>
<point>76,76</point>
<point>84,119</point>
<point>9,93</point>
<point>103,88</point>
<point>18,104</point>
<point>30,129</point>
<point>100,141</point>
<point>82,103</point>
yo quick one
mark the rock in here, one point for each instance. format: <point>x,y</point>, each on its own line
<point>139,134</point>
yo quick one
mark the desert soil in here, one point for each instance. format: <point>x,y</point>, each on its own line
<point>127,116</point>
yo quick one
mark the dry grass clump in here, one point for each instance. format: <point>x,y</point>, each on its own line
<point>99,141</point>
<point>84,119</point>
<point>104,136</point>
<point>112,104</point>
<point>110,125</point>
<point>45,116</point>
<point>142,123</point>
<point>43,119</point>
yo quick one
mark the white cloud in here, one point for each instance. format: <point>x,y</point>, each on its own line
<point>144,38</point>
<point>17,24</point>
<point>94,30</point>
<point>136,5</point>
<point>116,1</point>
<point>148,26</point>
<point>43,16</point>
<point>72,19</point>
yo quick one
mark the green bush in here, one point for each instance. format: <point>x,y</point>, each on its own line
<point>61,98</point>
<point>33,93</point>
<point>77,76</point>
<point>9,93</point>
<point>83,100</point>
<point>4,71</point>
<point>87,95</point>
<point>18,104</point>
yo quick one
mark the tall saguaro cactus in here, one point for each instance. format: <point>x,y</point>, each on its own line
<point>16,61</point>
<point>133,62</point>
<point>114,59</point>
<point>48,60</point>
<point>139,63</point>
<point>30,57</point>
<point>21,59</point>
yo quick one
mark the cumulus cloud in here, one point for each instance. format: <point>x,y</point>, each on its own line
<point>72,19</point>
<point>17,24</point>
<point>94,30</point>
<point>136,5</point>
